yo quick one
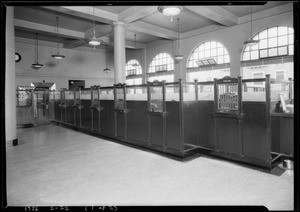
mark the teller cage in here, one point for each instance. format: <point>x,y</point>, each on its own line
<point>245,120</point>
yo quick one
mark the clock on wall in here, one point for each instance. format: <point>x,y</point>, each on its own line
<point>17,57</point>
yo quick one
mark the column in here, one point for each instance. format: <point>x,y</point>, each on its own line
<point>10,80</point>
<point>119,52</point>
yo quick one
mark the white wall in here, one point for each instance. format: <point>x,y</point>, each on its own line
<point>77,65</point>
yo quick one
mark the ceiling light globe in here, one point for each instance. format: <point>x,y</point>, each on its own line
<point>94,42</point>
<point>170,10</point>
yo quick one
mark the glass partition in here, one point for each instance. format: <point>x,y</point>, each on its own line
<point>206,91</point>
<point>172,92</point>
<point>189,91</point>
<point>253,91</point>
<point>69,95</point>
<point>85,94</point>
<point>281,95</point>
<point>107,93</point>
<point>138,93</point>
<point>77,97</point>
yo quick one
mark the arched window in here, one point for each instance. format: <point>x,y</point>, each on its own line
<point>161,68</point>
<point>207,61</point>
<point>274,41</point>
<point>133,72</point>
<point>133,67</point>
<point>206,52</point>
<point>272,55</point>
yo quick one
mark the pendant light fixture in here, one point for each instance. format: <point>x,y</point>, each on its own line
<point>57,56</point>
<point>170,10</point>
<point>94,42</point>
<point>135,64</point>
<point>106,69</point>
<point>178,56</point>
<point>251,42</point>
<point>37,65</point>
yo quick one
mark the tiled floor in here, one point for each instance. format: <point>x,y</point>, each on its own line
<point>57,166</point>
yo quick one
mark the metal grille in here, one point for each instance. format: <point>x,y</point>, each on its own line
<point>228,96</point>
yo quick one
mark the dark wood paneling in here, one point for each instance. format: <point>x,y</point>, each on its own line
<point>255,130</point>
<point>77,116</point>
<point>137,128</point>
<point>57,111</point>
<point>190,122</point>
<point>206,126</point>
<point>173,125</point>
<point>228,135</point>
<point>287,135</point>
<point>120,124</point>
<point>96,120</point>
<point>70,112</point>
<point>275,136</point>
<point>157,130</point>
<point>107,122</point>
<point>86,116</point>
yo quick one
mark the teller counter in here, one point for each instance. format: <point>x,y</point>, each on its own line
<point>230,118</point>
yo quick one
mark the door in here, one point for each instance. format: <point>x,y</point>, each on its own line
<point>41,107</point>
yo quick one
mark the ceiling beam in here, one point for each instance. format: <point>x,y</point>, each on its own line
<point>86,12</point>
<point>99,31</point>
<point>152,30</point>
<point>136,13</point>
<point>215,13</point>
<point>47,29</point>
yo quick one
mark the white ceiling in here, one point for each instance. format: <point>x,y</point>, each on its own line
<point>76,22</point>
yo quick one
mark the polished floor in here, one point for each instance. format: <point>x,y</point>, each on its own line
<point>57,166</point>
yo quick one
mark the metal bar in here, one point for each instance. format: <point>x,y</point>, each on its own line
<point>181,115</point>
<point>268,117</point>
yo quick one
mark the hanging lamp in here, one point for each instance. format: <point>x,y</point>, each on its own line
<point>106,69</point>
<point>170,10</point>
<point>57,56</point>
<point>94,42</point>
<point>36,65</point>
<point>178,56</point>
<point>135,64</point>
<point>251,42</point>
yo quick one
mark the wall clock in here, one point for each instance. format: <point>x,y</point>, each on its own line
<point>17,57</point>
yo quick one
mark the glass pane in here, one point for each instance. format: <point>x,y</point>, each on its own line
<point>282,30</point>
<point>247,48</point>
<point>246,56</point>
<point>220,60</point>
<point>220,51</point>
<point>254,47</point>
<point>214,52</point>
<point>219,45</point>
<point>201,55</point>
<point>291,39</point>
<point>272,32</point>
<point>213,44</point>
<point>207,53</point>
<point>291,30</point>
<point>254,55</point>
<point>272,42</point>
<point>253,92</point>
<point>226,59</point>
<point>263,44</point>
<point>263,34</point>
<point>272,52</point>
<point>291,49</point>
<point>282,40</point>
<point>201,47</point>
<point>282,50</point>
<point>207,45</point>
<point>263,53</point>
